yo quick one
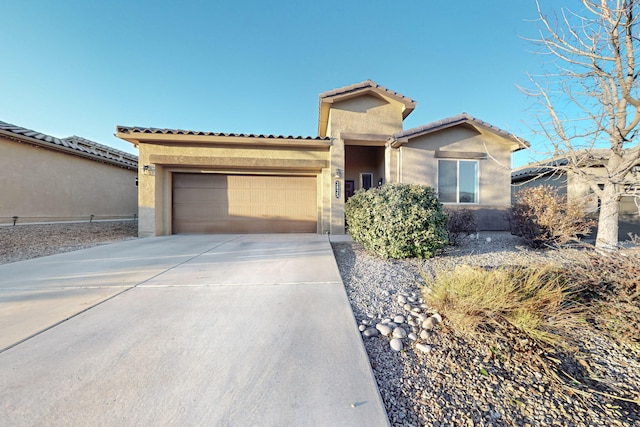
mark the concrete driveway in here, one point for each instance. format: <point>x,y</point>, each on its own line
<point>184,330</point>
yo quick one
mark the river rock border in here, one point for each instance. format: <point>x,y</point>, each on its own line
<point>411,329</point>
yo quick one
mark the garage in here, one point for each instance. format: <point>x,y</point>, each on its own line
<point>244,203</point>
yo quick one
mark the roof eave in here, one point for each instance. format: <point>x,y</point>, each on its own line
<point>404,137</point>
<point>137,137</point>
<point>61,148</point>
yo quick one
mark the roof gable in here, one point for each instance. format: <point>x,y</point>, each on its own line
<point>463,119</point>
<point>367,87</point>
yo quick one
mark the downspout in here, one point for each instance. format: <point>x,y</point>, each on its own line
<point>390,146</point>
<point>400,165</point>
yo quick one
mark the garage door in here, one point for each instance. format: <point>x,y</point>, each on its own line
<point>215,203</point>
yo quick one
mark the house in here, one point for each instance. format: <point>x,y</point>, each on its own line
<point>553,172</point>
<point>211,182</point>
<point>44,178</point>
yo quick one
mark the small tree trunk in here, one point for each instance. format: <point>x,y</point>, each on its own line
<point>607,238</point>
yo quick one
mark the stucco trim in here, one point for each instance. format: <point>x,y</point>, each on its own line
<point>440,154</point>
<point>239,163</point>
<point>366,139</point>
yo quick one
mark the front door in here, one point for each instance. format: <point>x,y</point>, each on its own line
<point>349,188</point>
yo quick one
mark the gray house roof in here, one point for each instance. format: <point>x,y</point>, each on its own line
<point>454,121</point>
<point>594,157</point>
<point>73,145</point>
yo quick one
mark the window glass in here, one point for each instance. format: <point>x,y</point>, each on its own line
<point>447,181</point>
<point>468,181</point>
<point>458,181</point>
<point>367,180</point>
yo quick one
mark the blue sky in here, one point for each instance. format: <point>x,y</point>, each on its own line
<point>81,67</point>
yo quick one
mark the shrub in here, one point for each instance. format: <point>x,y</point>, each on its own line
<point>534,300</point>
<point>397,220</point>
<point>611,288</point>
<point>460,223</point>
<point>543,218</point>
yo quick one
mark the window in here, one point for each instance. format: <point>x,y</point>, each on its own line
<point>458,181</point>
<point>366,179</point>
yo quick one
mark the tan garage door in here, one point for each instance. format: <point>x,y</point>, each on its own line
<point>214,203</point>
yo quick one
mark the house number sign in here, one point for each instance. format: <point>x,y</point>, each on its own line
<point>337,189</point>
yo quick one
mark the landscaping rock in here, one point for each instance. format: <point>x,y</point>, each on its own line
<point>371,332</point>
<point>384,329</point>
<point>396,344</point>
<point>399,333</point>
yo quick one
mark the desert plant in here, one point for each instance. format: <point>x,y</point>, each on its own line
<point>460,223</point>
<point>397,220</point>
<point>534,300</point>
<point>543,218</point>
<point>610,284</point>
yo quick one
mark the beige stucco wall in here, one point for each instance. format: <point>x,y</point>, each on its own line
<point>418,165</point>
<point>365,114</point>
<point>166,158</point>
<point>40,184</point>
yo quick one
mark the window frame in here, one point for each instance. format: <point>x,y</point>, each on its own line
<point>477,183</point>
<point>362,174</point>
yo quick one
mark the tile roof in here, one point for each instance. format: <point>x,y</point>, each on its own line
<point>537,169</point>
<point>148,130</point>
<point>364,85</point>
<point>452,121</point>
<point>74,144</point>
<point>593,157</point>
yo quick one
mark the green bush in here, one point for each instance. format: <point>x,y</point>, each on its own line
<point>397,220</point>
<point>543,218</point>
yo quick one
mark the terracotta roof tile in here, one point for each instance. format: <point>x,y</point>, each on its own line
<point>148,130</point>
<point>363,85</point>
<point>83,147</point>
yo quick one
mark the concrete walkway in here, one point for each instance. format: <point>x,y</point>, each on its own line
<point>184,330</point>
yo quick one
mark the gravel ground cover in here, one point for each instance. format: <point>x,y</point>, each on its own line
<point>440,380</point>
<point>21,242</point>
<point>436,379</point>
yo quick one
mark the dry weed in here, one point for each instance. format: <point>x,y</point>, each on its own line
<point>534,300</point>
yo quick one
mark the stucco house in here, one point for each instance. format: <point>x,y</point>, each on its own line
<point>211,182</point>
<point>553,172</point>
<point>44,178</point>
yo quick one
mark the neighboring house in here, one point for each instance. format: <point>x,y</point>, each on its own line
<point>553,173</point>
<point>44,178</point>
<point>210,182</point>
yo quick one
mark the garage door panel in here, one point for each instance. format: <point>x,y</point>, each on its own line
<point>199,212</point>
<point>199,195</point>
<point>193,180</point>
<point>212,203</point>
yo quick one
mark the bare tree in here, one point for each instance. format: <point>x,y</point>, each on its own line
<point>590,99</point>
